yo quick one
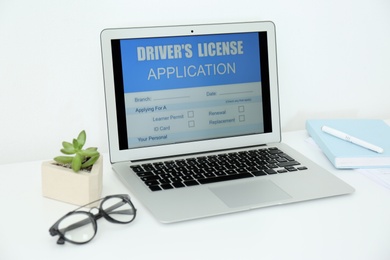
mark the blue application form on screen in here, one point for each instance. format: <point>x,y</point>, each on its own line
<point>191,88</point>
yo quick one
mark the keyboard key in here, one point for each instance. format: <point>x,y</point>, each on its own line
<point>291,169</point>
<point>191,183</point>
<point>270,171</point>
<point>274,150</point>
<point>230,172</point>
<point>166,186</point>
<point>242,170</point>
<point>285,164</point>
<point>144,174</point>
<point>187,178</point>
<point>151,183</point>
<point>150,178</point>
<point>164,181</point>
<point>154,188</point>
<point>178,184</point>
<point>258,173</point>
<point>209,175</point>
<point>198,176</point>
<point>175,179</point>
<point>225,178</point>
<point>136,168</point>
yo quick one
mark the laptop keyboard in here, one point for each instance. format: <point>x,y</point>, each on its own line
<point>215,168</point>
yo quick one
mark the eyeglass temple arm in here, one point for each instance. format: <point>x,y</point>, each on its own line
<point>117,205</point>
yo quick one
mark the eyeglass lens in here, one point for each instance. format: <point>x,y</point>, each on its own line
<point>78,227</point>
<point>118,210</point>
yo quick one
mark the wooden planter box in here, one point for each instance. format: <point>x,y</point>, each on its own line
<point>65,185</point>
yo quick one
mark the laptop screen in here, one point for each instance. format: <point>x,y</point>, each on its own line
<point>211,86</point>
<point>190,88</point>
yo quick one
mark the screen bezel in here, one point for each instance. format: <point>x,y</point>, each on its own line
<point>114,93</point>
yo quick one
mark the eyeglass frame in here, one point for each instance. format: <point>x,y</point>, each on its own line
<point>93,217</point>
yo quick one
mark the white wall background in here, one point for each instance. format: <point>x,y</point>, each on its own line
<point>334,61</point>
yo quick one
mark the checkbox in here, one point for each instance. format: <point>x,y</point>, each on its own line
<point>190,114</point>
<point>191,123</point>
<point>241,109</point>
<point>241,118</point>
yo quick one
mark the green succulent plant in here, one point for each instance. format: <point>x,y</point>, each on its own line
<point>81,159</point>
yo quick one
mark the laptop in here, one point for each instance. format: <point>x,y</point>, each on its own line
<point>194,124</point>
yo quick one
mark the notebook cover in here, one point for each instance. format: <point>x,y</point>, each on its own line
<point>344,154</point>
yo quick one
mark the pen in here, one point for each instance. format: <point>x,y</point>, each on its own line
<point>351,139</point>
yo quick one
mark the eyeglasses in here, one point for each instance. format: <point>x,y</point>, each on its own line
<point>79,227</point>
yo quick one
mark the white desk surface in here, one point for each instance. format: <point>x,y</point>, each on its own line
<point>354,226</point>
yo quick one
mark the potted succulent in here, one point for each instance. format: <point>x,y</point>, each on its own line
<point>75,177</point>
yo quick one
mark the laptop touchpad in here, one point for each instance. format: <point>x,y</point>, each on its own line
<point>249,193</point>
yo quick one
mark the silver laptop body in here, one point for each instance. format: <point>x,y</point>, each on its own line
<point>178,92</point>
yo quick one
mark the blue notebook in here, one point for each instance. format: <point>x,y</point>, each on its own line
<point>346,155</point>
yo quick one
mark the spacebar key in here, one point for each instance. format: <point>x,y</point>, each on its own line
<point>225,178</point>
